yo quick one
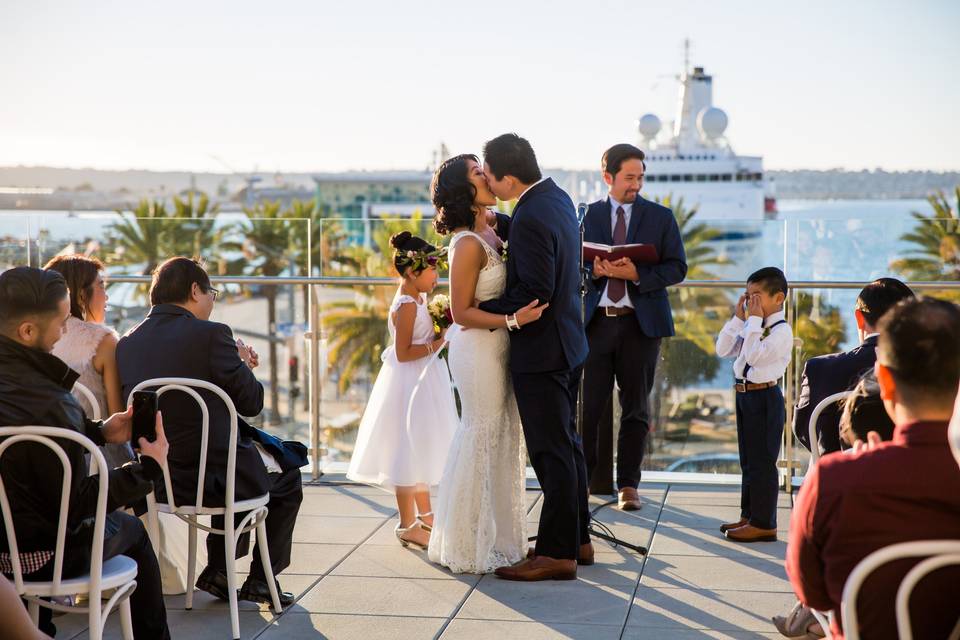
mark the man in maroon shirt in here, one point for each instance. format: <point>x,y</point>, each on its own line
<point>899,491</point>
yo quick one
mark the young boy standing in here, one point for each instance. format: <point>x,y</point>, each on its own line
<point>760,339</point>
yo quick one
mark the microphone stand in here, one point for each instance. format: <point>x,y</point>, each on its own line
<point>596,528</point>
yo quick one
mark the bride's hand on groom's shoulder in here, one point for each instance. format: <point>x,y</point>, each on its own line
<point>531,312</point>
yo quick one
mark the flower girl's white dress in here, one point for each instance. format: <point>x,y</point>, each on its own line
<point>389,452</point>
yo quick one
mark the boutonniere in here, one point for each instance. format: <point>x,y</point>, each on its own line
<point>766,332</point>
<point>503,251</point>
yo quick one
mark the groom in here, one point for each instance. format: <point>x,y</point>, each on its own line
<point>546,357</point>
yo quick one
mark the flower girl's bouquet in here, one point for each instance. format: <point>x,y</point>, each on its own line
<point>439,308</point>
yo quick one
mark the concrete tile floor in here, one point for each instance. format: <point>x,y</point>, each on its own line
<point>353,580</point>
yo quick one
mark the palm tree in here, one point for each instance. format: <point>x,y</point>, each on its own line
<point>357,329</point>
<point>698,314</point>
<point>268,247</point>
<point>137,238</point>
<point>936,240</point>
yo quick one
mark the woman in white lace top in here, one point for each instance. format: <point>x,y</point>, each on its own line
<point>88,346</point>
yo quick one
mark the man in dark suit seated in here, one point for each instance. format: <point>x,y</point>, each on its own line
<point>177,340</point>
<point>826,375</point>
<point>35,389</point>
<point>851,505</point>
<point>628,313</point>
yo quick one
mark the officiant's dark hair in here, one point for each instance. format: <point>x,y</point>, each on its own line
<point>615,156</point>
<point>453,194</point>
<point>27,291</point>
<point>771,279</point>
<point>511,155</point>
<point>920,344</point>
<point>173,280</point>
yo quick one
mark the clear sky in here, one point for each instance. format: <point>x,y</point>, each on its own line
<point>315,85</point>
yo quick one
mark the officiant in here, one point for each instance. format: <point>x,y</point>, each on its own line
<point>627,312</point>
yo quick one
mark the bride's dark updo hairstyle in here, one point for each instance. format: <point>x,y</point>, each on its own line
<point>406,241</point>
<point>453,194</point>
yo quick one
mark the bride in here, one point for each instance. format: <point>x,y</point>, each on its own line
<point>480,514</point>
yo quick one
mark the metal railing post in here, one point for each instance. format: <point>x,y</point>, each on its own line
<point>317,447</point>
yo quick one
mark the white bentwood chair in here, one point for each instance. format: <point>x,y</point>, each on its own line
<point>255,508</point>
<point>812,425</point>
<point>118,572</point>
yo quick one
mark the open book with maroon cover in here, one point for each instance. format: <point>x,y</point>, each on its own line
<point>639,253</point>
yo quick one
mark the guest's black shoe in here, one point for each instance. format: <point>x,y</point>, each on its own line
<point>214,582</point>
<point>256,590</point>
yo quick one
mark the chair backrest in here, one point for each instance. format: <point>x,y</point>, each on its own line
<point>899,551</point>
<point>92,399</point>
<point>189,386</point>
<point>812,425</point>
<point>45,436</point>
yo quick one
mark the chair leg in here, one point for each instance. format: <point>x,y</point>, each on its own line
<point>191,559</point>
<point>126,620</point>
<point>230,545</point>
<point>267,567</point>
<point>34,609</point>
<point>94,617</point>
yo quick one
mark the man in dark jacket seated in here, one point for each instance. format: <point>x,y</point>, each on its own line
<point>826,375</point>
<point>35,390</point>
<point>177,339</point>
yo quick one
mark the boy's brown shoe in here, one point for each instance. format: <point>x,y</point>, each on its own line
<point>750,533</point>
<point>733,525</point>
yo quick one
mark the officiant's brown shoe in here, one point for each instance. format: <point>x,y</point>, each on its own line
<point>750,533</point>
<point>733,525</point>
<point>539,568</point>
<point>584,557</point>
<point>629,500</point>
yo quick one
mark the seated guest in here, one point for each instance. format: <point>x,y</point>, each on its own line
<point>88,346</point>
<point>863,412</point>
<point>35,390</point>
<point>829,374</point>
<point>909,489</point>
<point>177,339</point>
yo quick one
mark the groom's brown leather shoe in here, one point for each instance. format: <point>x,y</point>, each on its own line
<point>733,525</point>
<point>629,500</point>
<point>584,557</point>
<point>750,533</point>
<point>539,568</point>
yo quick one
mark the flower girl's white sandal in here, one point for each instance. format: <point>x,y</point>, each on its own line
<point>409,543</point>
<point>423,523</point>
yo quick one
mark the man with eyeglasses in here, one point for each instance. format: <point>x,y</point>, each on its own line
<point>178,340</point>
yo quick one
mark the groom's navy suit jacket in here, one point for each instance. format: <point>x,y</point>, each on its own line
<point>543,264</point>
<point>650,223</point>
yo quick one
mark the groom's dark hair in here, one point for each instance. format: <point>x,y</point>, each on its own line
<point>511,155</point>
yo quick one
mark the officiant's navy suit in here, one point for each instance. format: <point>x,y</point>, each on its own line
<point>624,341</point>
<point>546,358</point>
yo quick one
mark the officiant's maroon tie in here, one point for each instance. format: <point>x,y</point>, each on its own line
<point>617,288</point>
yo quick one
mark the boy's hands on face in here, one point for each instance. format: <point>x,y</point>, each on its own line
<point>754,308</point>
<point>740,309</point>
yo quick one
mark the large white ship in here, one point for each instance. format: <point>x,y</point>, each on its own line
<point>694,160</point>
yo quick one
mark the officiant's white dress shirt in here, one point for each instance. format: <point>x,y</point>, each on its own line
<point>768,356</point>
<point>605,300</point>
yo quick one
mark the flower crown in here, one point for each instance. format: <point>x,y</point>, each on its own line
<point>422,259</point>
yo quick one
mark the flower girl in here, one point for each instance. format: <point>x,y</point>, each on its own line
<point>400,446</point>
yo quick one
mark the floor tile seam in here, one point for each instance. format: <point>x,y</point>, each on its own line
<point>643,566</point>
<point>346,575</point>
<point>320,578</point>
<point>530,621</point>
<point>458,608</point>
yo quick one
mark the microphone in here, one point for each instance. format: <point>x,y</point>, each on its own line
<point>581,212</point>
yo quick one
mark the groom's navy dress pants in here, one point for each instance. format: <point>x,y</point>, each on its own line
<point>760,418</point>
<point>547,404</point>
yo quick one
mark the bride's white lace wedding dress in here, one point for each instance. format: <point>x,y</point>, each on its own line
<point>480,512</point>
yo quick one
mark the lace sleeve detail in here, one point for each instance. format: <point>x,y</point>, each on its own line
<point>403,299</point>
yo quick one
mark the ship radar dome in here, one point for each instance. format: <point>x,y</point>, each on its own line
<point>649,126</point>
<point>712,122</point>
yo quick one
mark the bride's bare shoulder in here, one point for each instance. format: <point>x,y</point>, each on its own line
<point>468,249</point>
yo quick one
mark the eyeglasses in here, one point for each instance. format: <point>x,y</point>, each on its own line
<point>215,292</point>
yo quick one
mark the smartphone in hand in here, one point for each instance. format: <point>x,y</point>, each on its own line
<point>145,407</point>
